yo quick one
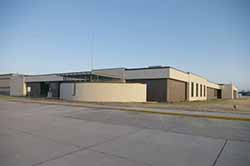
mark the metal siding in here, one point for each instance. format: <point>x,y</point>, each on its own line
<point>35,89</point>
<point>147,74</point>
<point>54,88</point>
<point>4,82</point>
<point>212,93</point>
<point>156,89</point>
<point>5,85</point>
<point>176,90</point>
<point>5,91</point>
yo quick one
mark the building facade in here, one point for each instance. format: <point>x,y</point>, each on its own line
<point>163,84</point>
<point>168,84</point>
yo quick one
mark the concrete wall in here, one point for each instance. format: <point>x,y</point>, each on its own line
<point>228,91</point>
<point>178,75</point>
<point>147,74</point>
<point>201,82</point>
<point>43,78</point>
<point>17,85</point>
<point>235,91</point>
<point>213,85</point>
<point>103,92</point>
<point>12,84</point>
<point>115,73</point>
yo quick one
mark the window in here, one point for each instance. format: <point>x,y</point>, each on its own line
<point>204,93</point>
<point>200,90</point>
<point>192,89</point>
<point>74,90</point>
<point>197,90</point>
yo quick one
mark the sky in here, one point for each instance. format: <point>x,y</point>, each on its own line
<point>207,37</point>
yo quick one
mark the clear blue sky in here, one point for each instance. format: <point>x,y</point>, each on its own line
<point>207,37</point>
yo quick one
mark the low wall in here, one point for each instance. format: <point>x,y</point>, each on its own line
<point>229,91</point>
<point>103,92</point>
<point>17,86</point>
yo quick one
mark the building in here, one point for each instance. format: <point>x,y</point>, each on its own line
<point>40,85</point>
<point>168,84</point>
<point>163,84</point>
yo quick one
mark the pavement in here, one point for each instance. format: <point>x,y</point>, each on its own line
<point>33,134</point>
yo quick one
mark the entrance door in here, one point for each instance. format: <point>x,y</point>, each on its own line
<point>219,94</point>
<point>44,89</point>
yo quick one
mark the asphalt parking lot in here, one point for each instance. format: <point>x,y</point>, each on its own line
<point>55,135</point>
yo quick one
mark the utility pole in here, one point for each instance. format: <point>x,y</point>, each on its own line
<point>91,51</point>
<point>91,38</point>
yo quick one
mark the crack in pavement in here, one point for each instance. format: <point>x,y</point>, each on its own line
<point>220,152</point>
<point>87,147</point>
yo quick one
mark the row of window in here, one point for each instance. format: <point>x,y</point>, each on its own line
<point>202,90</point>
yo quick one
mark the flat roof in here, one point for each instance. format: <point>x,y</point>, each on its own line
<point>169,67</point>
<point>157,67</point>
<point>9,74</point>
<point>150,67</point>
<point>126,69</point>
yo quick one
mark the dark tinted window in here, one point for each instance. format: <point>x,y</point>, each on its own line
<point>74,89</point>
<point>192,89</point>
<point>197,90</point>
<point>200,90</point>
<point>204,91</point>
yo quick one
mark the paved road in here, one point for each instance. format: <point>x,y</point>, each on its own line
<point>56,135</point>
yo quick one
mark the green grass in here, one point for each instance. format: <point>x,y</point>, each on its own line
<point>6,97</point>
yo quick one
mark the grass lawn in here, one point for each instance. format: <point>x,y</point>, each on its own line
<point>242,105</point>
<point>218,105</point>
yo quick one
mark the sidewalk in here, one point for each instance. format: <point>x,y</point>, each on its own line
<point>197,114</point>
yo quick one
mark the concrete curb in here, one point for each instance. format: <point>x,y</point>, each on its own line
<point>235,118</point>
<point>192,115</point>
